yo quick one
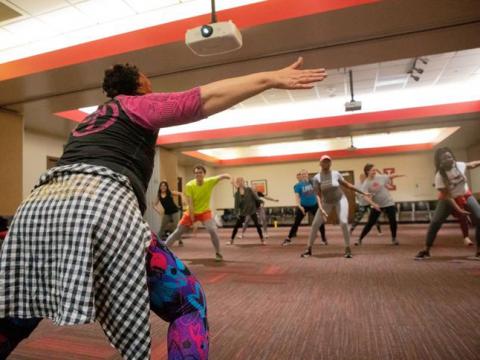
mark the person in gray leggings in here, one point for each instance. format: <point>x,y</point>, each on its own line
<point>451,181</point>
<point>328,184</point>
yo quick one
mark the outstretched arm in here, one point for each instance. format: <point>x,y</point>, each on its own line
<point>394,176</point>
<point>473,164</point>
<point>224,177</point>
<point>347,185</point>
<point>182,196</point>
<point>223,94</point>
<point>269,198</point>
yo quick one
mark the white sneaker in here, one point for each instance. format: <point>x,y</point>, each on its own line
<point>266,236</point>
<point>467,241</point>
<point>240,236</point>
<point>230,242</point>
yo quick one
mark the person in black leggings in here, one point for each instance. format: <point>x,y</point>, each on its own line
<point>362,206</point>
<point>245,205</point>
<point>171,212</point>
<point>306,199</point>
<point>381,201</point>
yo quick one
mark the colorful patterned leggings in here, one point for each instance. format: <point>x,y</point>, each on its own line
<point>175,295</point>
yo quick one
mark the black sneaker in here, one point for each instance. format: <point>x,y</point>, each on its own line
<point>395,242</point>
<point>422,255</point>
<point>287,242</point>
<point>358,243</point>
<point>348,253</point>
<point>307,253</point>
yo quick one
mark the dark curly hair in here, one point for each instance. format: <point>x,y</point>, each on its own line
<point>121,79</point>
<point>438,163</point>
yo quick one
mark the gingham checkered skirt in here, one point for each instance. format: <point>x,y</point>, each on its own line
<point>75,253</point>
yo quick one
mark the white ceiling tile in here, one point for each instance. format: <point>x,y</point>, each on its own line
<point>397,70</point>
<point>30,30</point>
<point>365,84</point>
<point>459,71</point>
<point>388,87</point>
<point>66,19</point>
<point>36,7</point>
<point>147,5</point>
<point>304,94</point>
<point>469,52</point>
<point>396,63</point>
<point>105,10</point>
<point>465,60</point>
<point>257,100</point>
<point>365,67</point>
<point>364,75</point>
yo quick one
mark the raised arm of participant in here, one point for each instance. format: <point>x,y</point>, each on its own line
<point>269,198</point>
<point>223,94</point>
<point>224,177</point>
<point>394,176</point>
<point>347,185</point>
<point>182,196</point>
<point>473,164</point>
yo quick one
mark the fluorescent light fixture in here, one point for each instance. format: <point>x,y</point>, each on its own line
<point>391,80</point>
<point>413,137</point>
<point>7,39</point>
<point>328,107</point>
<point>89,109</point>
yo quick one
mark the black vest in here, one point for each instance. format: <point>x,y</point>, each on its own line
<point>109,138</point>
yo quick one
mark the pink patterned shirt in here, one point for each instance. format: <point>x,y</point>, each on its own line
<point>158,110</point>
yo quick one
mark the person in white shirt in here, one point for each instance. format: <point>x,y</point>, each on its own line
<point>451,181</point>
<point>382,201</point>
<point>328,185</point>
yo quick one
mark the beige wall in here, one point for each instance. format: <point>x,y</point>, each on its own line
<point>36,148</point>
<point>417,185</point>
<point>473,153</point>
<point>168,167</point>
<point>11,139</point>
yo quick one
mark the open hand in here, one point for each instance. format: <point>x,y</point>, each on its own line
<point>293,77</point>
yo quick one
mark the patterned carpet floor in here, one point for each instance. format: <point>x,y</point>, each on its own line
<point>265,302</point>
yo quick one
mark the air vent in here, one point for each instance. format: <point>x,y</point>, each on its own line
<point>7,13</point>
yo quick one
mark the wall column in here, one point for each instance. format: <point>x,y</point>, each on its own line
<point>11,160</point>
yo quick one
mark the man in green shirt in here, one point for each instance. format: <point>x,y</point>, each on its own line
<point>198,194</point>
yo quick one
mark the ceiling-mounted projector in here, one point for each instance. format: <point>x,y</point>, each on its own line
<point>214,39</point>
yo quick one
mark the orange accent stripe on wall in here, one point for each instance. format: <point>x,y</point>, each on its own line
<point>335,154</point>
<point>245,16</point>
<point>326,122</point>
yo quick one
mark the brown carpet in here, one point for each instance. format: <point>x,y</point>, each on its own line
<point>265,302</point>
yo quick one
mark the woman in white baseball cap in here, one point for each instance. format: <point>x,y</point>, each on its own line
<point>328,184</point>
